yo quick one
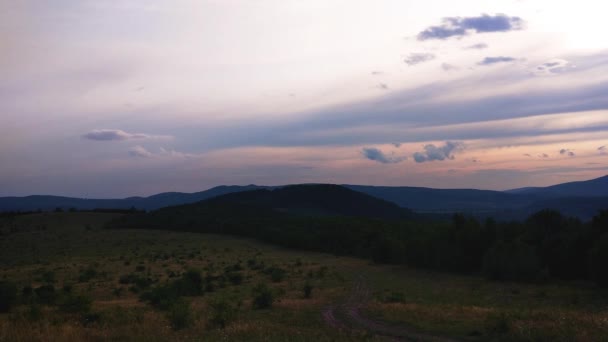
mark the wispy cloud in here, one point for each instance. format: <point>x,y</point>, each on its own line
<point>448,67</point>
<point>377,155</point>
<point>567,152</point>
<point>603,149</point>
<point>462,26</point>
<point>417,58</point>
<point>552,67</point>
<point>118,135</point>
<point>495,60</point>
<point>478,46</point>
<point>141,152</point>
<point>432,152</point>
<point>382,86</point>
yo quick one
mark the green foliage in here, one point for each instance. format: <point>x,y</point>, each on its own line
<point>263,297</point>
<point>498,324</point>
<point>236,278</point>
<point>223,312</point>
<point>46,294</point>
<point>165,296</point>
<point>598,260</point>
<point>394,297</point>
<point>307,290</point>
<point>8,295</point>
<point>180,315</point>
<point>141,282</point>
<point>87,274</point>
<point>511,261</point>
<point>190,284</point>
<point>277,274</point>
<point>70,303</point>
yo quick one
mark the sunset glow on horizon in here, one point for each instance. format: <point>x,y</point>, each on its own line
<point>132,98</point>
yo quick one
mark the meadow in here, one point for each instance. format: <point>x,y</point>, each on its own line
<point>74,280</point>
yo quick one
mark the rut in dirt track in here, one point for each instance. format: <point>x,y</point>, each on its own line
<point>347,317</point>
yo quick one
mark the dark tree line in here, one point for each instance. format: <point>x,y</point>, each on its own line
<point>545,246</point>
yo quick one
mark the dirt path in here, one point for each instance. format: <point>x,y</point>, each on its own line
<point>347,316</point>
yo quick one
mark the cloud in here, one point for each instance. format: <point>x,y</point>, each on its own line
<point>382,86</point>
<point>565,151</point>
<point>375,154</point>
<point>432,152</point>
<point>527,155</point>
<point>543,155</point>
<point>139,152</point>
<point>376,73</point>
<point>448,67</point>
<point>478,46</point>
<point>117,135</point>
<point>397,145</point>
<point>417,58</point>
<point>553,67</point>
<point>495,60</point>
<point>111,134</point>
<point>462,26</point>
<point>603,149</point>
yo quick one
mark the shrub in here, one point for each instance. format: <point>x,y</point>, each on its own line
<point>598,259</point>
<point>190,284</point>
<point>307,290</point>
<point>8,295</point>
<point>395,297</point>
<point>236,278</point>
<point>87,275</point>
<point>46,294</point>
<point>180,315</point>
<point>162,297</point>
<point>498,324</point>
<point>262,297</point>
<point>223,313</point>
<point>511,261</point>
<point>70,303</point>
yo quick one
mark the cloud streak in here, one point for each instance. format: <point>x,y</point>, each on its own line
<point>377,155</point>
<point>496,60</point>
<point>566,152</point>
<point>118,135</point>
<point>438,153</point>
<point>463,26</point>
<point>417,58</point>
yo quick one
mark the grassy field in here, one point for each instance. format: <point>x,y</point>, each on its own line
<point>100,277</point>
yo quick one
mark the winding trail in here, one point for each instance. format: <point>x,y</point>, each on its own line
<point>347,317</point>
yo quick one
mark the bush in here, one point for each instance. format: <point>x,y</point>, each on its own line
<point>307,290</point>
<point>180,315</point>
<point>223,313</point>
<point>8,295</point>
<point>46,294</point>
<point>162,297</point>
<point>87,275</point>
<point>262,297</point>
<point>236,278</point>
<point>511,261</point>
<point>598,259</point>
<point>395,297</point>
<point>190,284</point>
<point>75,304</point>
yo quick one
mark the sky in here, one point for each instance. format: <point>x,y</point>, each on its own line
<point>103,99</point>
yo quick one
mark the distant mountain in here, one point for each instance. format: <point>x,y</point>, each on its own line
<point>268,209</point>
<point>42,202</point>
<point>446,200</point>
<point>597,187</point>
<point>581,199</point>
<point>318,200</point>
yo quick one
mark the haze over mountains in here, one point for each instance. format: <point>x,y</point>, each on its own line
<point>582,199</point>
